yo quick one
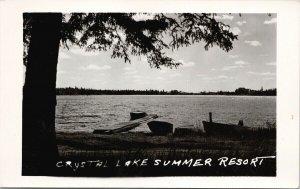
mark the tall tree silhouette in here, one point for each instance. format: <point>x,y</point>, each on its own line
<point>122,33</point>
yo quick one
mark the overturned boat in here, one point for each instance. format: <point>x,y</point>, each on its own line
<point>160,127</point>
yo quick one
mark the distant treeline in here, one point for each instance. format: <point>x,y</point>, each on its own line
<point>239,91</point>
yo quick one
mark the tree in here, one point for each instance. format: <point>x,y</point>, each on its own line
<point>124,35</point>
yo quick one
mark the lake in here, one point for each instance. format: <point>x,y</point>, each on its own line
<point>86,113</point>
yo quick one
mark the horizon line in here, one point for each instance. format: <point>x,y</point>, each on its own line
<point>166,90</point>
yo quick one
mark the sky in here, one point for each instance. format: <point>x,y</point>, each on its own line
<point>250,64</point>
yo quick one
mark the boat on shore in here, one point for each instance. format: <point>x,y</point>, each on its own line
<point>214,128</point>
<point>160,127</point>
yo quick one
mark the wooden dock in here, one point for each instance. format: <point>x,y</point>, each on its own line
<point>126,126</point>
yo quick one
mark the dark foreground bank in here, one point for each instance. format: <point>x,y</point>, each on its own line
<point>141,154</point>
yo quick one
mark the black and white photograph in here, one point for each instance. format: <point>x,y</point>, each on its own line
<point>149,94</point>
<point>144,94</point>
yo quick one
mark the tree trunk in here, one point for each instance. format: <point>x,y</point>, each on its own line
<point>40,153</point>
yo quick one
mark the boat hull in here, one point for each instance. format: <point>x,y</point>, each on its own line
<point>160,127</point>
<point>213,128</point>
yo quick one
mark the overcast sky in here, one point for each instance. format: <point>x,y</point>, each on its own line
<point>251,63</point>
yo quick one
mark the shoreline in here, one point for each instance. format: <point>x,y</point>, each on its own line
<point>231,95</point>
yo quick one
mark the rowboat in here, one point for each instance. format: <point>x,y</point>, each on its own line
<point>160,127</point>
<point>213,128</point>
<point>137,115</point>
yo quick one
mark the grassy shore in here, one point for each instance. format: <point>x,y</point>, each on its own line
<point>107,155</point>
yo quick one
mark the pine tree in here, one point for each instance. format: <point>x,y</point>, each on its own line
<point>45,33</point>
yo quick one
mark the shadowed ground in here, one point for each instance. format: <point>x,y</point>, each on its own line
<point>108,151</point>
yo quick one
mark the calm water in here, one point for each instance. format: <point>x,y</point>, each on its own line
<point>86,113</point>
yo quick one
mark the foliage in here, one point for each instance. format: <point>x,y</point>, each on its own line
<point>83,91</point>
<point>125,35</point>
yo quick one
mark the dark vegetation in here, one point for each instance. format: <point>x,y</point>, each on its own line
<point>239,91</point>
<point>78,147</point>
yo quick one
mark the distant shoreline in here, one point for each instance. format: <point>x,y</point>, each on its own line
<point>154,95</point>
<point>237,92</point>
